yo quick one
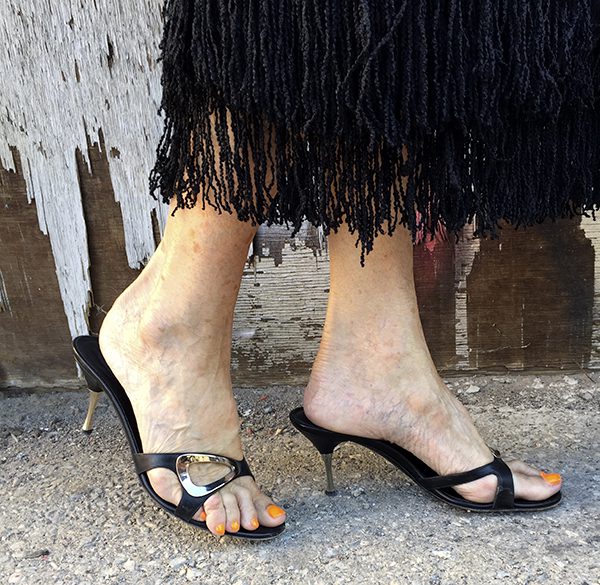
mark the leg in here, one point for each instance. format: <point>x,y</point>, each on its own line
<point>374,376</point>
<point>167,338</point>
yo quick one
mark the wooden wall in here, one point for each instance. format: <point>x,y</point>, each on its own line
<point>525,301</point>
<point>79,126</point>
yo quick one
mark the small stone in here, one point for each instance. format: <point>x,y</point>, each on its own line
<point>571,381</point>
<point>537,384</point>
<point>502,574</point>
<point>193,574</point>
<point>177,563</point>
<point>472,389</point>
<point>442,554</point>
<point>586,395</point>
<point>268,409</point>
<point>129,565</point>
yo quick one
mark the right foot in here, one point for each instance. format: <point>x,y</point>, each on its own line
<point>360,387</point>
<point>180,389</point>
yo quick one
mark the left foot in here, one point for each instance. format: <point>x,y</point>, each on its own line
<point>379,391</point>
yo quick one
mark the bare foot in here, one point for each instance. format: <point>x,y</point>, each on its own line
<point>179,385</point>
<point>360,388</point>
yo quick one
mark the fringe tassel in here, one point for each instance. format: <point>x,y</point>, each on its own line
<point>490,110</point>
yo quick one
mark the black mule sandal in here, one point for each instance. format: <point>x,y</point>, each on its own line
<point>100,378</point>
<point>439,486</point>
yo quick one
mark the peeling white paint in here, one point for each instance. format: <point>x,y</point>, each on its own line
<point>591,229</point>
<point>465,252</point>
<point>69,70</point>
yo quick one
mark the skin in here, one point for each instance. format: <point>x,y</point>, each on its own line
<point>167,338</point>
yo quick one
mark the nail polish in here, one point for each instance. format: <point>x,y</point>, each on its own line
<point>203,516</point>
<point>551,478</point>
<point>255,523</point>
<point>275,511</point>
<point>220,529</point>
<point>235,526</point>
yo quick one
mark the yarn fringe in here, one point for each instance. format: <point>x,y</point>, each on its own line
<point>425,113</point>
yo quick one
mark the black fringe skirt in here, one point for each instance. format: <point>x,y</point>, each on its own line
<point>428,113</point>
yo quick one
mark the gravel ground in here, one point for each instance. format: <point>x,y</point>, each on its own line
<point>72,511</point>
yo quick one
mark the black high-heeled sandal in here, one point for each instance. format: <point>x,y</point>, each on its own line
<point>439,486</point>
<point>100,378</point>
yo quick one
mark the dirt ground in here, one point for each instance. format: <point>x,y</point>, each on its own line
<point>72,511</point>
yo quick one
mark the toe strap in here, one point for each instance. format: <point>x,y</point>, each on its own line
<point>505,491</point>
<point>193,495</point>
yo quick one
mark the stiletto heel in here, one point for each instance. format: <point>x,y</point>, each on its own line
<point>89,419</point>
<point>330,489</point>
<point>100,378</point>
<point>440,486</point>
<point>324,443</point>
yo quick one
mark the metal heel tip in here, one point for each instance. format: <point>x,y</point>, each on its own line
<point>87,431</point>
<point>330,492</point>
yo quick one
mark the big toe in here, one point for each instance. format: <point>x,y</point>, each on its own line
<point>532,484</point>
<point>269,513</point>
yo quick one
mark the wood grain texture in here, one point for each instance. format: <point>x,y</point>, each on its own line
<point>70,71</point>
<point>110,273</point>
<point>531,298</point>
<point>34,333</point>
<point>77,224</point>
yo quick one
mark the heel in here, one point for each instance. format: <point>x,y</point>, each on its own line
<point>326,450</point>
<point>89,418</point>
<point>325,446</point>
<point>95,389</point>
<point>330,489</point>
<point>324,441</point>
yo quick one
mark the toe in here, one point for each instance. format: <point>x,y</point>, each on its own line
<point>534,486</point>
<point>216,517</point>
<point>201,515</point>
<point>232,511</point>
<point>522,467</point>
<point>247,510</point>
<point>269,514</point>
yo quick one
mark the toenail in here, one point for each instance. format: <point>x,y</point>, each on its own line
<point>551,478</point>
<point>235,526</point>
<point>275,511</point>
<point>255,523</point>
<point>202,516</point>
<point>220,529</point>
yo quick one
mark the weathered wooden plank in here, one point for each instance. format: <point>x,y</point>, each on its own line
<point>85,67</point>
<point>34,333</point>
<point>110,273</point>
<point>531,298</point>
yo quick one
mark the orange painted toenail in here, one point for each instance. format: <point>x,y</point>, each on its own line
<point>275,511</point>
<point>551,478</point>
<point>235,526</point>
<point>202,516</point>
<point>220,529</point>
<point>255,523</point>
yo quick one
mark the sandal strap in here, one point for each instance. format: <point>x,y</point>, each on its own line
<point>505,491</point>
<point>193,495</point>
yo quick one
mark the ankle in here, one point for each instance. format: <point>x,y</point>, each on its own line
<point>167,330</point>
